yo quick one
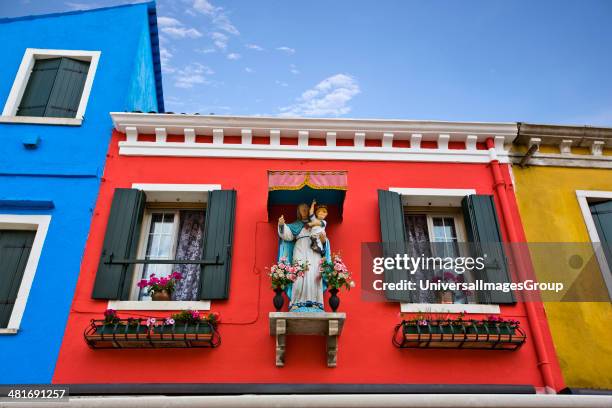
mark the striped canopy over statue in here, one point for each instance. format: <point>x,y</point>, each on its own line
<point>292,187</point>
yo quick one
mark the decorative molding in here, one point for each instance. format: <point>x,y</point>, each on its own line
<point>597,147</point>
<point>565,147</point>
<point>564,160</point>
<point>303,129</point>
<point>160,135</point>
<point>23,75</point>
<point>436,197</point>
<point>40,224</point>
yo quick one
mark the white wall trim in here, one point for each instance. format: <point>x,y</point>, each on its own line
<point>23,75</point>
<point>449,308</point>
<point>583,196</point>
<point>435,197</point>
<point>305,152</point>
<point>40,224</point>
<point>176,187</point>
<point>160,305</point>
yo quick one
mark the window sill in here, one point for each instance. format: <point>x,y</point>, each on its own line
<point>152,305</point>
<point>41,120</point>
<point>449,308</point>
<point>8,331</point>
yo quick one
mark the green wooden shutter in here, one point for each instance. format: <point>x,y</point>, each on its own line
<point>393,237</point>
<point>120,242</point>
<point>484,234</point>
<point>38,90</point>
<point>602,216</point>
<point>67,88</point>
<point>218,238</point>
<point>15,249</point>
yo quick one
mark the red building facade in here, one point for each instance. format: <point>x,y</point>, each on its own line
<point>183,159</point>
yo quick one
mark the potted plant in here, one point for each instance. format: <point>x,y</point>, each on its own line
<point>112,324</point>
<point>188,322</point>
<point>282,274</point>
<point>337,276</point>
<point>160,289</point>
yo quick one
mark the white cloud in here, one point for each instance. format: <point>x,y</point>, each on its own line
<point>217,14</point>
<point>281,83</point>
<point>192,74</point>
<point>233,56</point>
<point>220,40</point>
<point>287,50</point>
<point>329,97</point>
<point>254,47</point>
<point>82,6</point>
<point>205,50</point>
<point>165,56</point>
<point>293,69</point>
<point>174,28</point>
<point>249,70</point>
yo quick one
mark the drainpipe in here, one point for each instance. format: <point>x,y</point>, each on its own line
<point>532,312</point>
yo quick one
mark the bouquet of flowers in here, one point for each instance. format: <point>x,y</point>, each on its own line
<point>336,273</point>
<point>156,285</point>
<point>284,273</point>
<point>110,317</point>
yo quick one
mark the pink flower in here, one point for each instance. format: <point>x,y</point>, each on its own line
<point>151,321</point>
<point>352,284</point>
<point>282,266</point>
<point>142,284</point>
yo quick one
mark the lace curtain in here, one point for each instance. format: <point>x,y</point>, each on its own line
<point>189,247</point>
<point>418,245</point>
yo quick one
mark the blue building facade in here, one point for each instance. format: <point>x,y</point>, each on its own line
<point>60,76</point>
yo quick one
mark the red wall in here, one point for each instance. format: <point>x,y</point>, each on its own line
<point>246,354</point>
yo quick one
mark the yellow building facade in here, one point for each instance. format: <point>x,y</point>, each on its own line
<point>559,173</point>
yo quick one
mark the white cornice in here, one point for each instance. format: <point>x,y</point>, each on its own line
<point>176,123</point>
<point>361,131</point>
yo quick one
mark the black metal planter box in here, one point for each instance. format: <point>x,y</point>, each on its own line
<point>138,335</point>
<point>454,334</point>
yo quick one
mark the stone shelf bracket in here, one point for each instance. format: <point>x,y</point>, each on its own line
<point>325,324</point>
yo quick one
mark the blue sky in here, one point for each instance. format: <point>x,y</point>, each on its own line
<point>529,61</point>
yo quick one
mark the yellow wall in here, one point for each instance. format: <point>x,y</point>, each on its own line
<point>582,332</point>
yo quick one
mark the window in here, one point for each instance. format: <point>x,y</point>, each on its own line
<point>421,221</point>
<point>438,233</point>
<point>162,228</point>
<point>51,87</point>
<point>21,242</point>
<point>171,234</point>
<point>596,207</point>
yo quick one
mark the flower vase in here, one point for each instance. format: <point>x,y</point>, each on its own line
<point>446,297</point>
<point>278,299</point>
<point>162,295</point>
<point>334,300</point>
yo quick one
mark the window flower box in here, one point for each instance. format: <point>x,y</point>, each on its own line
<point>113,332</point>
<point>493,333</point>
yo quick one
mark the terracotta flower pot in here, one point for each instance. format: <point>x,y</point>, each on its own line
<point>163,295</point>
<point>446,297</point>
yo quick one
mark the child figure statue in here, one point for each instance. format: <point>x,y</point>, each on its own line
<point>317,224</point>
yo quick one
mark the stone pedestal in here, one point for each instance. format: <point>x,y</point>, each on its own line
<point>329,325</point>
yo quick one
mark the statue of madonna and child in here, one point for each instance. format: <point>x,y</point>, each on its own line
<point>305,241</point>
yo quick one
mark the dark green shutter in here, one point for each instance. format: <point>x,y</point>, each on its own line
<point>15,249</point>
<point>54,88</point>
<point>38,90</point>
<point>120,243</point>
<point>602,216</point>
<point>67,89</point>
<point>484,234</point>
<point>393,237</point>
<point>218,238</point>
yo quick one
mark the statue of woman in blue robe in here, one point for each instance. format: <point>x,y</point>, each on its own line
<point>306,293</point>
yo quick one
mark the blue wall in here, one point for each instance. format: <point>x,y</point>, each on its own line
<point>67,165</point>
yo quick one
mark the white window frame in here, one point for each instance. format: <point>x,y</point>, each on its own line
<point>9,114</point>
<point>144,240</point>
<point>40,224</point>
<point>184,193</point>
<point>583,200</point>
<point>439,197</point>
